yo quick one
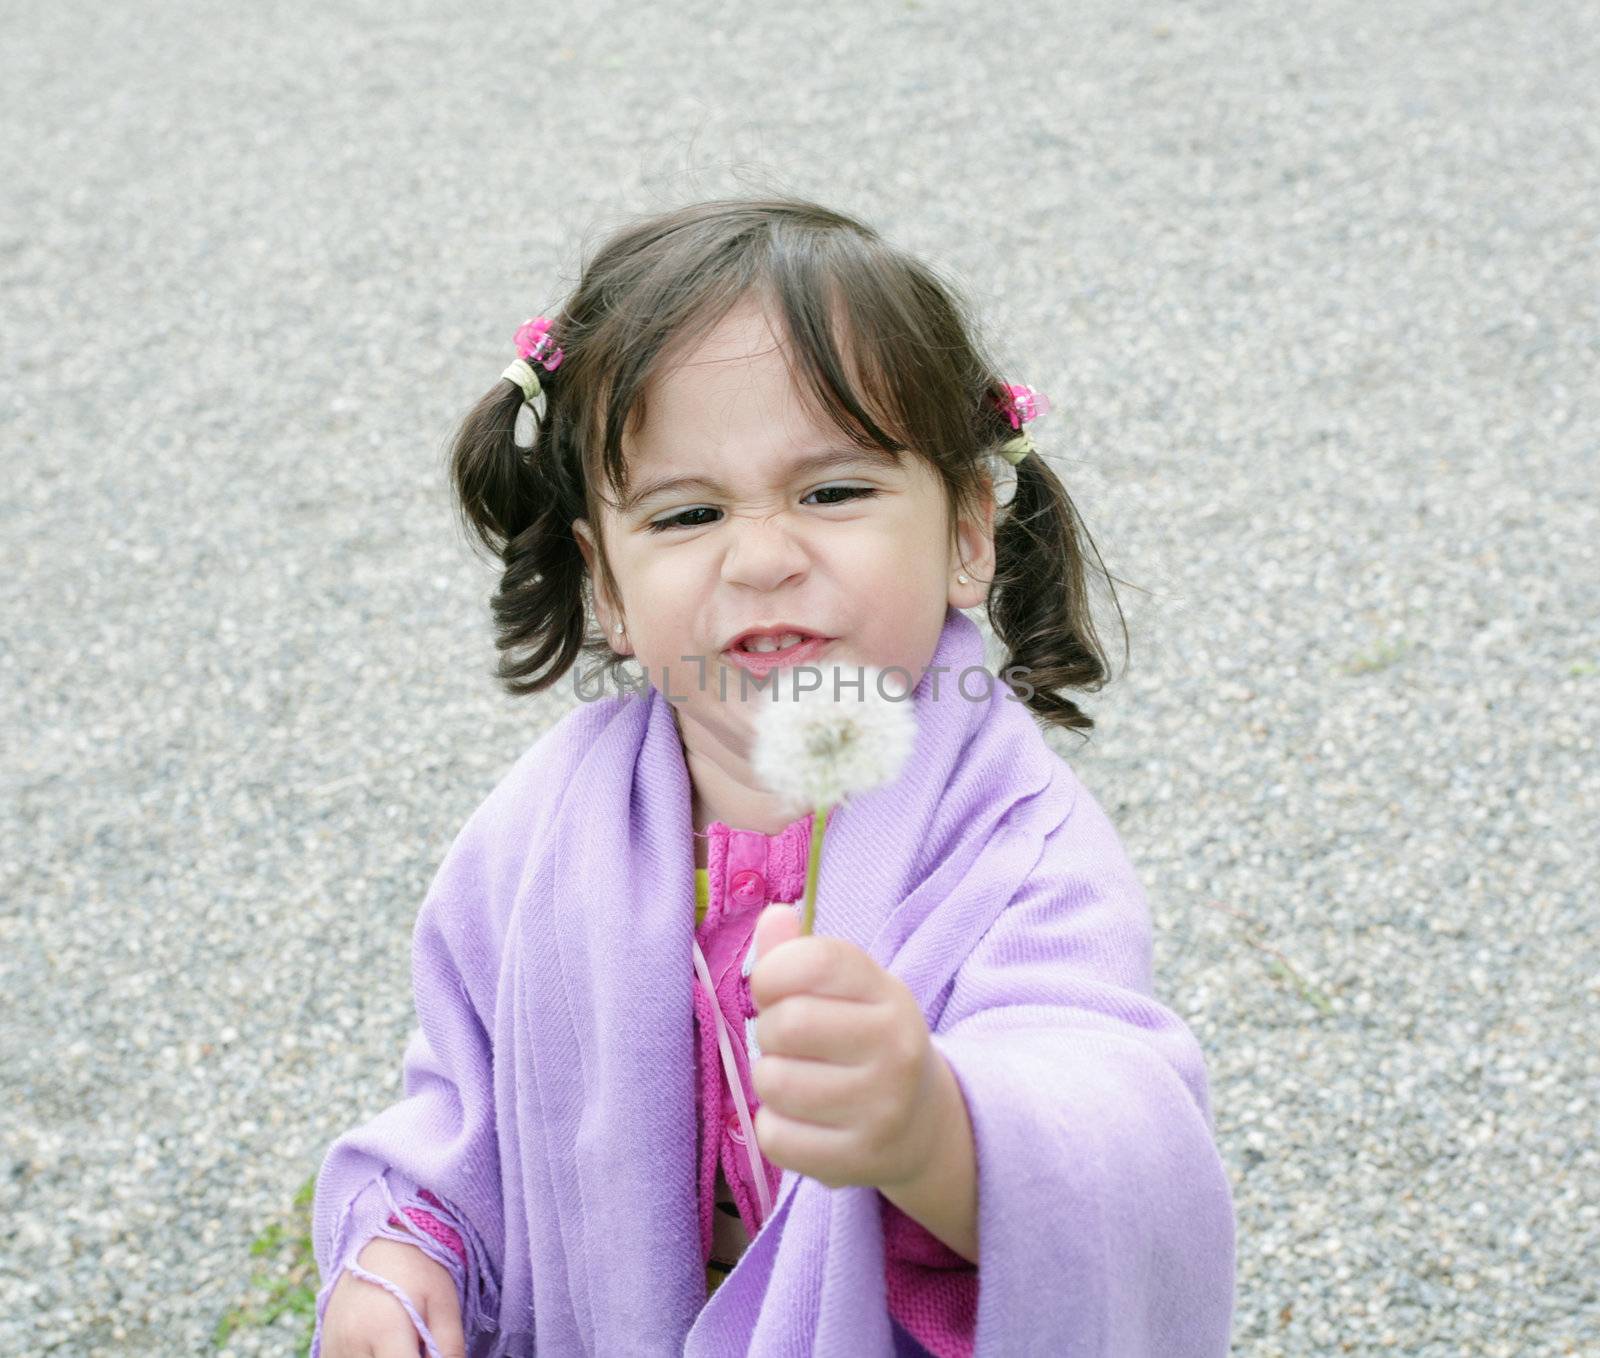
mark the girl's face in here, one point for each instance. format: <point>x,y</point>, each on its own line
<point>855,549</point>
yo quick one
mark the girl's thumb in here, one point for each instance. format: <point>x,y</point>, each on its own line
<point>777,924</point>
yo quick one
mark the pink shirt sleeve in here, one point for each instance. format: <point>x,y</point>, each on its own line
<point>427,1222</point>
<point>932,1290</point>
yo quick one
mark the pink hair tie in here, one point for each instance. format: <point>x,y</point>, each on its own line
<point>1019,405</point>
<point>535,344</point>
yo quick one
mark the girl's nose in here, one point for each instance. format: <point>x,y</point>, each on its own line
<point>762,553</point>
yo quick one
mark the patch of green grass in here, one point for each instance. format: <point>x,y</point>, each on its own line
<point>287,1280</point>
<point>1280,970</point>
<point>1386,653</point>
<point>1278,966</point>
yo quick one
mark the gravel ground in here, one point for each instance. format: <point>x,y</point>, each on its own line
<point>1316,299</point>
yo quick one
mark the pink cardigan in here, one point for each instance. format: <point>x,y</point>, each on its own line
<point>932,1291</point>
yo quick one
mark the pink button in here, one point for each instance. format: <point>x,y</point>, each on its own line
<point>734,1129</point>
<point>748,886</point>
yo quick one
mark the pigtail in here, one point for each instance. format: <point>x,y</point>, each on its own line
<point>519,504</point>
<point>1039,603</point>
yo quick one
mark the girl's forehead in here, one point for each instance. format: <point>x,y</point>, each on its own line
<point>749,408</point>
<point>733,399</point>
<point>729,388</point>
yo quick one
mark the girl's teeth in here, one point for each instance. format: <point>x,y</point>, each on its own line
<point>772,643</point>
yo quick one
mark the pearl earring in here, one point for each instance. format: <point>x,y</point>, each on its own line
<point>961,579</point>
<point>619,627</point>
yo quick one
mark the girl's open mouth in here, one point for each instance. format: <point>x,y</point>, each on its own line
<point>764,662</point>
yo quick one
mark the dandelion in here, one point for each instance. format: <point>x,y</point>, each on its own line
<point>817,749</point>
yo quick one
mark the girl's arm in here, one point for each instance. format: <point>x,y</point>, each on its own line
<point>1093,1144</point>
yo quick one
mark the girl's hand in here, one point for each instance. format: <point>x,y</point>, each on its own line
<point>364,1321</point>
<point>847,1070</point>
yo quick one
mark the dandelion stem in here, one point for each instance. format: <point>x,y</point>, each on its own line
<point>819,822</point>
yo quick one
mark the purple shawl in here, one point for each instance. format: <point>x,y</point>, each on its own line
<point>548,1091</point>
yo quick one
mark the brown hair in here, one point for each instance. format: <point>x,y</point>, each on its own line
<point>842,292</point>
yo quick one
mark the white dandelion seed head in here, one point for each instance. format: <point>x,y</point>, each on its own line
<point>814,748</point>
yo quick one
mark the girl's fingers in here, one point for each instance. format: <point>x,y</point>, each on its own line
<point>819,1028</point>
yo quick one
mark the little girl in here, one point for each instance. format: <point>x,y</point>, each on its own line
<point>641,1113</point>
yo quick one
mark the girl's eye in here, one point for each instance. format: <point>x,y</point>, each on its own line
<point>673,521</point>
<point>854,492</point>
<point>662,525</point>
